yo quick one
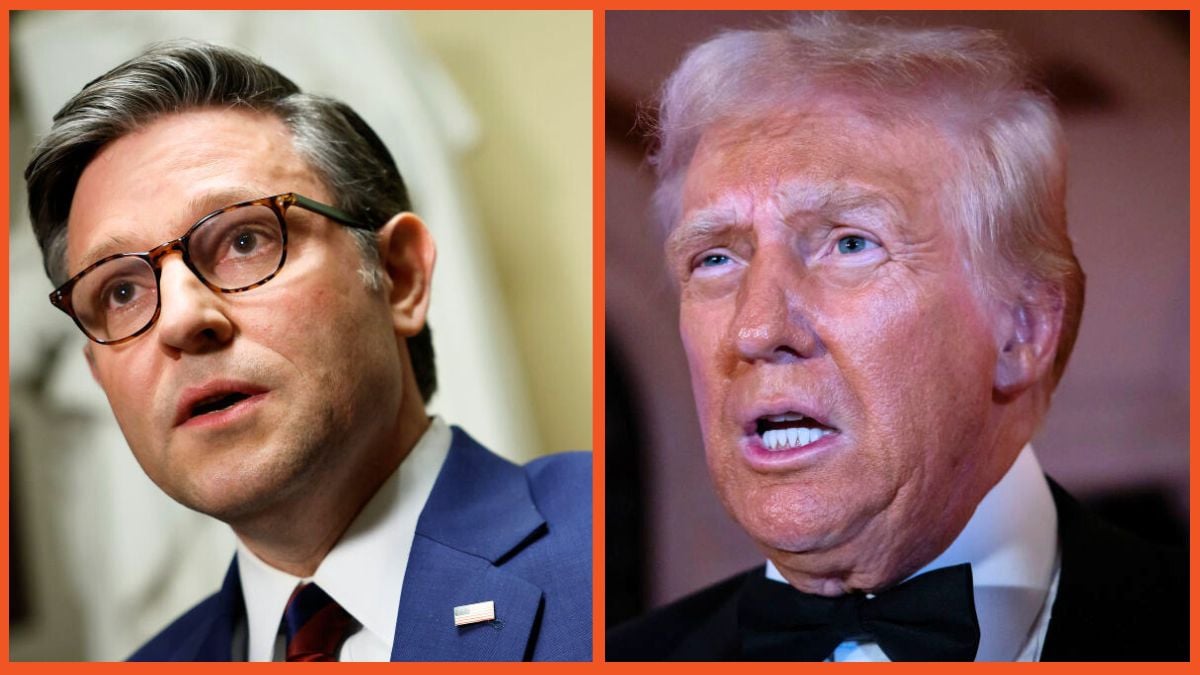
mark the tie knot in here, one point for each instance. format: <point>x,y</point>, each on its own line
<point>930,617</point>
<point>315,625</point>
<point>847,615</point>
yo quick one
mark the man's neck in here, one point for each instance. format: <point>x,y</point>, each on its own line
<point>298,530</point>
<point>364,571</point>
<point>1011,543</point>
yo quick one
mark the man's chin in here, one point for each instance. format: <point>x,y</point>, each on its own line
<point>234,493</point>
<point>231,506</point>
<point>795,517</point>
<point>779,542</point>
<point>814,542</point>
<point>831,561</point>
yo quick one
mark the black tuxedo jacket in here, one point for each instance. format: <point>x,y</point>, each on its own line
<point>1119,599</point>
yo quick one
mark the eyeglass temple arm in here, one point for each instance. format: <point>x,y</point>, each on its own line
<point>330,212</point>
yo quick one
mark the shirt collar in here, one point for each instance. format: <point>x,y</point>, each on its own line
<point>364,572</point>
<point>1011,542</point>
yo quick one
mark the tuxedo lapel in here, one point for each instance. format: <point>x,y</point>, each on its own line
<point>1119,598</point>
<point>700,627</point>
<point>717,638</point>
<point>478,515</point>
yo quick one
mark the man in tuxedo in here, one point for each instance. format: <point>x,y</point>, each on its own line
<point>243,259</point>
<point>877,297</point>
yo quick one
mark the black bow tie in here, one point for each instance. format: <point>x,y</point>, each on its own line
<point>930,617</point>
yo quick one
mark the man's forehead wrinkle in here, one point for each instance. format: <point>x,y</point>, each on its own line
<point>800,196</point>
<point>734,208</point>
<point>836,199</point>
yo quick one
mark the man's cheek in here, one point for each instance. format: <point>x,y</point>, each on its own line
<point>701,358</point>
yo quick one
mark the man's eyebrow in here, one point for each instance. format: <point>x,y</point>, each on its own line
<point>832,200</point>
<point>196,208</point>
<point>113,243</point>
<point>705,223</point>
<point>203,204</point>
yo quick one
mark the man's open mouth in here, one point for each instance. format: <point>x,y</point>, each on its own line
<point>213,398</point>
<point>790,431</point>
<point>216,403</point>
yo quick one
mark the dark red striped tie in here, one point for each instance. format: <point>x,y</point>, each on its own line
<point>315,625</point>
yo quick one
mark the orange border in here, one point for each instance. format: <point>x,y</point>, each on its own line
<point>598,280</point>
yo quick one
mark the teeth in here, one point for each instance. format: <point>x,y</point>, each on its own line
<point>791,437</point>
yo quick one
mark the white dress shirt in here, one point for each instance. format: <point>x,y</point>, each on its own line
<point>1011,542</point>
<point>364,572</point>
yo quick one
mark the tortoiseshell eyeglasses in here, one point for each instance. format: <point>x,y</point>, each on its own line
<point>231,250</point>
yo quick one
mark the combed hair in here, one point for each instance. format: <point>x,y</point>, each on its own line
<point>964,83</point>
<point>184,75</point>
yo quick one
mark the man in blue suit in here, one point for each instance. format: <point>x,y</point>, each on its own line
<point>243,259</point>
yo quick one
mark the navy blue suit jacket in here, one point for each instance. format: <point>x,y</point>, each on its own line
<point>491,530</point>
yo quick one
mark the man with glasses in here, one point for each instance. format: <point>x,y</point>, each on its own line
<point>243,259</point>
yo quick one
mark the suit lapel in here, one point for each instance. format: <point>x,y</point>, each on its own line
<point>478,516</point>
<point>213,639</point>
<point>441,578</point>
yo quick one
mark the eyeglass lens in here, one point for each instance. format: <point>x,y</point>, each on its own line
<point>231,250</point>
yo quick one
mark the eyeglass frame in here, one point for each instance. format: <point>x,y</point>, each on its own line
<point>279,204</point>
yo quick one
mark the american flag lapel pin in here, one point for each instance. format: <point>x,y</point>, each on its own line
<point>474,613</point>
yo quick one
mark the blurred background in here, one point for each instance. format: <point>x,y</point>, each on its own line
<point>1117,433</point>
<point>488,115</point>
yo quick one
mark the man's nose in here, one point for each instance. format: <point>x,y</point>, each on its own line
<point>192,317</point>
<point>773,322</point>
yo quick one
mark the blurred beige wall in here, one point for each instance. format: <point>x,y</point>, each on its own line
<point>520,72</point>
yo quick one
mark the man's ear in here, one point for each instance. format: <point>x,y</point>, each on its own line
<point>408,255</point>
<point>1028,337</point>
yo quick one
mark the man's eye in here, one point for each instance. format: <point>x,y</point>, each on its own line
<point>118,294</point>
<point>245,242</point>
<point>249,239</point>
<point>712,260</point>
<point>855,244</point>
<point>121,293</point>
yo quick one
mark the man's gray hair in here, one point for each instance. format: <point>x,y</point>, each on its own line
<point>184,75</point>
<point>966,83</point>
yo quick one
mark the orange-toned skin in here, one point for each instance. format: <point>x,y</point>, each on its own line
<point>887,340</point>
